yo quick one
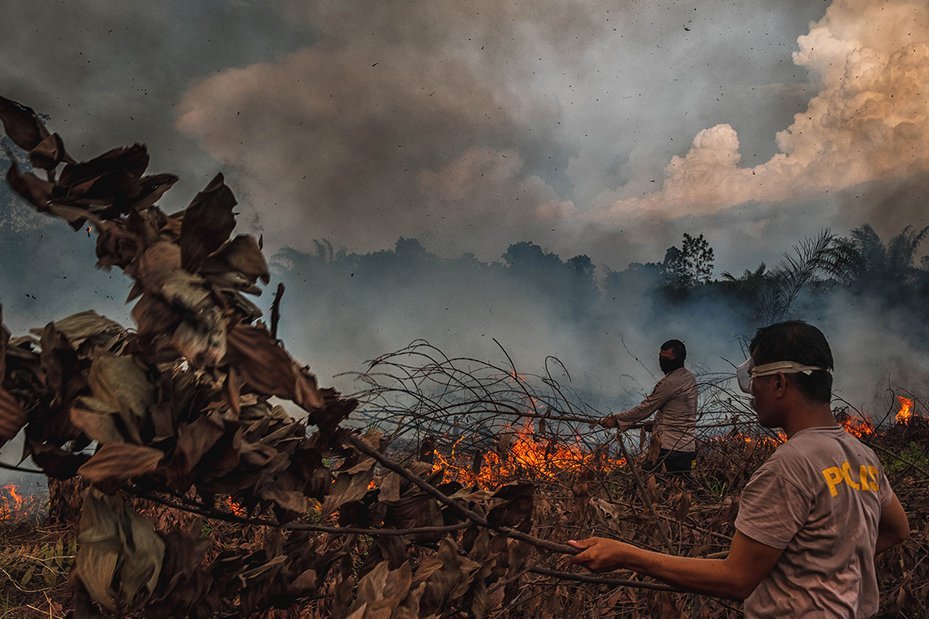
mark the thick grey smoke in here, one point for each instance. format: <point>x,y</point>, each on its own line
<point>473,126</point>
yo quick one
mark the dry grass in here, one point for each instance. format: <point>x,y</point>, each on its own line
<point>690,519</point>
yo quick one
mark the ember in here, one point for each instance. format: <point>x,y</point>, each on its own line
<point>906,410</point>
<point>10,502</point>
<point>524,455</point>
<point>766,441</point>
<point>235,507</point>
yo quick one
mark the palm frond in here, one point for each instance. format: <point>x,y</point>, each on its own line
<point>797,269</point>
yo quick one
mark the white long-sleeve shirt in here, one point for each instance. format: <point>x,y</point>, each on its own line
<point>675,399</point>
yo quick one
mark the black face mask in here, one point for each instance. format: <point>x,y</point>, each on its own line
<point>669,365</point>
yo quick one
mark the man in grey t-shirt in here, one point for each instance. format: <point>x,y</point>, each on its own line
<point>812,517</point>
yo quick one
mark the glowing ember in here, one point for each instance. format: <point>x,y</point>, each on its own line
<point>235,507</point>
<point>10,502</point>
<point>906,410</point>
<point>765,441</point>
<point>858,426</point>
<point>525,455</point>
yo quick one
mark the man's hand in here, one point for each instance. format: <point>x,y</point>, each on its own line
<point>608,422</point>
<point>734,577</point>
<point>601,554</point>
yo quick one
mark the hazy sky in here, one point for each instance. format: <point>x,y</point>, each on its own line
<point>588,127</point>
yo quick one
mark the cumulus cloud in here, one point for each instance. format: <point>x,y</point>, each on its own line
<point>869,120</point>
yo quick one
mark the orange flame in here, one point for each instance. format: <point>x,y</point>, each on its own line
<point>906,410</point>
<point>525,455</point>
<point>858,426</point>
<point>11,502</point>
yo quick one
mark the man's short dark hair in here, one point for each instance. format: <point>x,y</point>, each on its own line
<point>677,348</point>
<point>795,340</point>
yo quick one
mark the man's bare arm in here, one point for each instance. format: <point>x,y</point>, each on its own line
<point>734,577</point>
<point>893,528</point>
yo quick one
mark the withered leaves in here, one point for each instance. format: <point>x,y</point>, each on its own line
<point>21,124</point>
<point>268,369</point>
<point>12,417</point>
<point>119,462</point>
<point>208,222</point>
<point>123,385</point>
<point>381,591</point>
<point>349,485</point>
<point>119,554</point>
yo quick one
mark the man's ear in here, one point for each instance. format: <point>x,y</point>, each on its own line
<point>780,383</point>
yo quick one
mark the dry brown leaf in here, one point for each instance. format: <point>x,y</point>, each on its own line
<point>33,189</point>
<point>21,124</point>
<point>114,174</point>
<point>193,441</point>
<point>207,223</point>
<point>119,554</point>
<point>380,591</point>
<point>389,488</point>
<point>97,419</point>
<point>516,509</point>
<point>268,369</point>
<point>85,325</point>
<point>12,417</point>
<point>156,264</point>
<point>120,462</point>
<point>347,487</point>
<point>48,153</point>
<point>409,608</point>
<point>241,255</point>
<point>122,383</point>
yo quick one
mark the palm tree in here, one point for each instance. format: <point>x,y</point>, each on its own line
<point>862,261</point>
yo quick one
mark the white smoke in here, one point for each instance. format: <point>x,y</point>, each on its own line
<point>869,120</point>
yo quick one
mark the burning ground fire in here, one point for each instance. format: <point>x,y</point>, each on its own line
<point>545,459</point>
<point>11,502</point>
<point>858,426</point>
<point>521,454</point>
<point>862,426</point>
<point>906,410</point>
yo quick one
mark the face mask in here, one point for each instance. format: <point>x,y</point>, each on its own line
<point>669,365</point>
<point>748,370</point>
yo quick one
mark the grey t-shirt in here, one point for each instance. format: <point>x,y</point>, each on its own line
<point>819,497</point>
